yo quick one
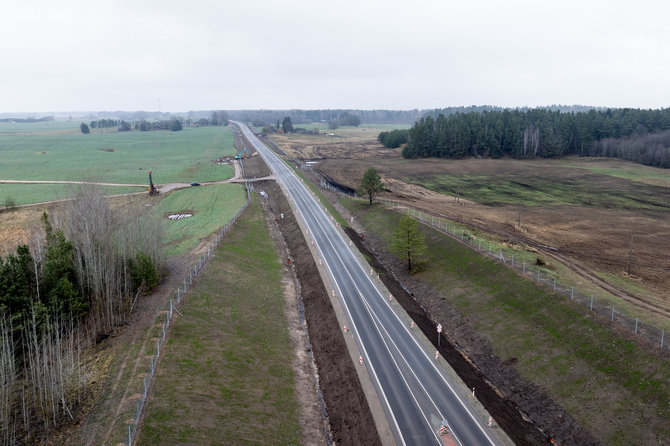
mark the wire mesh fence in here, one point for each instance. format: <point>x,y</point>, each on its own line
<point>175,301</point>
<point>537,272</point>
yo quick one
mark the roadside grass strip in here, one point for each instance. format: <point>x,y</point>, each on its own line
<point>225,376</point>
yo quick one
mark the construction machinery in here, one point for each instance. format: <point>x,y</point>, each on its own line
<point>239,155</point>
<point>153,190</point>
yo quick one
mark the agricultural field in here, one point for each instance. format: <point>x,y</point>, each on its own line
<point>20,194</point>
<point>58,151</point>
<point>41,153</point>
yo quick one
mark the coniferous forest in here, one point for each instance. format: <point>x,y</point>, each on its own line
<point>641,136</point>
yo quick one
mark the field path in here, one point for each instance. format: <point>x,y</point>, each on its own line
<point>164,188</point>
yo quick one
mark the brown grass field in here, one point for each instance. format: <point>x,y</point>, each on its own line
<point>594,213</point>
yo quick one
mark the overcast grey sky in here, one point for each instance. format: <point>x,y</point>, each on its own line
<point>71,55</point>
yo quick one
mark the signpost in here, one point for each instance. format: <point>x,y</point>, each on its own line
<point>439,330</point>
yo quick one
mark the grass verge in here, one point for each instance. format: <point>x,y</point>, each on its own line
<point>211,206</point>
<point>574,355</point>
<point>225,376</point>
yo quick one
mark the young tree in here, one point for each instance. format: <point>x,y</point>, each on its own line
<point>287,125</point>
<point>84,128</point>
<point>371,184</point>
<point>409,244</point>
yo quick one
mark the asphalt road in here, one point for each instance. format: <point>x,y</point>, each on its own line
<point>415,393</point>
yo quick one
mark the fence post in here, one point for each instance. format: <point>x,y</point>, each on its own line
<point>480,244</point>
<point>538,273</point>
<point>489,247</point>
<point>572,292</point>
<point>635,325</point>
<point>130,438</point>
<point>512,260</point>
<point>554,284</point>
<point>524,266</point>
<point>591,302</point>
<point>612,312</point>
<point>662,334</point>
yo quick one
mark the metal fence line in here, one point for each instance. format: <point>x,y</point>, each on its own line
<point>535,273</point>
<point>175,301</point>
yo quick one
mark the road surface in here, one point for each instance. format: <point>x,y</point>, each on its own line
<point>414,391</point>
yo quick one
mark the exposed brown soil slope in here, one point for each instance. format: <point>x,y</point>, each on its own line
<point>348,412</point>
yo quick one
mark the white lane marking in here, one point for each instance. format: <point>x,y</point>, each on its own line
<point>378,323</point>
<point>360,341</point>
<point>301,187</point>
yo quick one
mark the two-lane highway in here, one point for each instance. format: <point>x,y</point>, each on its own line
<point>414,391</point>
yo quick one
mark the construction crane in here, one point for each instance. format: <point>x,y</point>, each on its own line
<point>239,155</point>
<point>153,190</point>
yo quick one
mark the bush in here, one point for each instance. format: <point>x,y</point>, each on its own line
<point>143,272</point>
<point>9,204</point>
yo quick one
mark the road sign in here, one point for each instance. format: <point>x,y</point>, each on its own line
<point>439,328</point>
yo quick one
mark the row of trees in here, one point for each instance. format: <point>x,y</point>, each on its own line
<point>174,124</point>
<point>536,132</point>
<point>408,242</point>
<point>263,117</point>
<point>73,283</point>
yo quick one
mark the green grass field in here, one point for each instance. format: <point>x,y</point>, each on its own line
<point>544,191</point>
<point>46,126</point>
<point>583,364</point>
<point>46,153</point>
<point>212,207</point>
<point>36,193</point>
<point>225,374</point>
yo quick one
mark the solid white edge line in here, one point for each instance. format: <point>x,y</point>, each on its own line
<point>360,341</point>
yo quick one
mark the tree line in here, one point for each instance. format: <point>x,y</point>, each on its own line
<point>539,133</point>
<point>173,124</point>
<point>261,118</point>
<point>74,282</point>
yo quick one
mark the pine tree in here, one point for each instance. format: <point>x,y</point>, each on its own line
<point>409,243</point>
